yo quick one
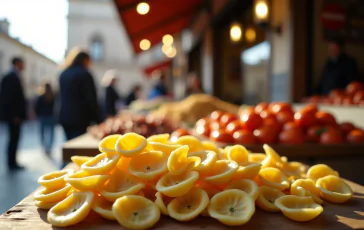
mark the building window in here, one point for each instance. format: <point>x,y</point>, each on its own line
<point>97,48</point>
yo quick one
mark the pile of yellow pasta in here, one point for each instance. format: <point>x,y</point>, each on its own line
<point>135,180</point>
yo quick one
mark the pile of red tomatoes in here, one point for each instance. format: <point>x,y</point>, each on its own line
<point>352,95</point>
<point>276,123</point>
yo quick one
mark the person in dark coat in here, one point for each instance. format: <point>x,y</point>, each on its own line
<point>339,70</point>
<point>111,95</point>
<point>13,108</point>
<point>44,109</point>
<point>78,99</point>
<point>133,95</point>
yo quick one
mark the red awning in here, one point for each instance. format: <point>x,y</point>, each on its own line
<point>157,66</point>
<point>164,17</point>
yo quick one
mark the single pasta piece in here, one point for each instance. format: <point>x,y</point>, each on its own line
<point>274,178</point>
<point>177,185</point>
<point>232,207</point>
<point>188,206</point>
<point>334,189</point>
<point>71,210</point>
<point>267,197</point>
<point>298,208</point>
<point>135,212</point>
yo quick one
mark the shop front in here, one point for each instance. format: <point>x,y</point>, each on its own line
<point>246,50</point>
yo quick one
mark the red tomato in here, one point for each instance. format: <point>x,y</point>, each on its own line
<point>305,118</point>
<point>251,121</point>
<point>355,136</point>
<point>293,136</point>
<point>266,114</point>
<point>203,130</point>
<point>233,127</point>
<point>325,118</point>
<point>338,100</point>
<point>291,126</point>
<point>347,101</point>
<point>227,118</point>
<point>353,87</point>
<point>216,115</point>
<point>313,133</point>
<point>336,93</point>
<point>284,117</point>
<point>314,99</point>
<point>244,137</point>
<point>272,124</point>
<point>261,107</point>
<point>179,133</point>
<point>247,110</point>
<point>331,136</point>
<point>358,96</point>
<point>310,108</point>
<point>221,136</point>
<point>326,101</point>
<point>347,127</point>
<point>215,125</point>
<point>279,107</point>
<point>203,122</point>
<point>265,135</point>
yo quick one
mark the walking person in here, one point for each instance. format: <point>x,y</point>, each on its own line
<point>13,108</point>
<point>111,95</point>
<point>133,95</point>
<point>44,110</point>
<point>79,107</point>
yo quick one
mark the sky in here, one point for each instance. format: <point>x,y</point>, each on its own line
<point>39,23</point>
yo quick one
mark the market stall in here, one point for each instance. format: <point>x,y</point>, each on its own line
<point>326,141</point>
<point>92,192</point>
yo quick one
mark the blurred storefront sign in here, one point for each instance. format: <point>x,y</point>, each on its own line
<point>343,20</point>
<point>333,16</point>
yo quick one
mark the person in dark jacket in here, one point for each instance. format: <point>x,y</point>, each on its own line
<point>111,95</point>
<point>44,110</point>
<point>133,95</point>
<point>78,99</point>
<point>339,70</point>
<point>13,108</point>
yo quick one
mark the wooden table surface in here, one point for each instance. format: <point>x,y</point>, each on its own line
<point>84,145</point>
<point>350,215</point>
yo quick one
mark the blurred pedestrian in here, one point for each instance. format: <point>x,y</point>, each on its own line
<point>111,96</point>
<point>340,69</point>
<point>44,109</point>
<point>194,84</point>
<point>79,107</point>
<point>13,108</point>
<point>160,88</point>
<point>133,95</point>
